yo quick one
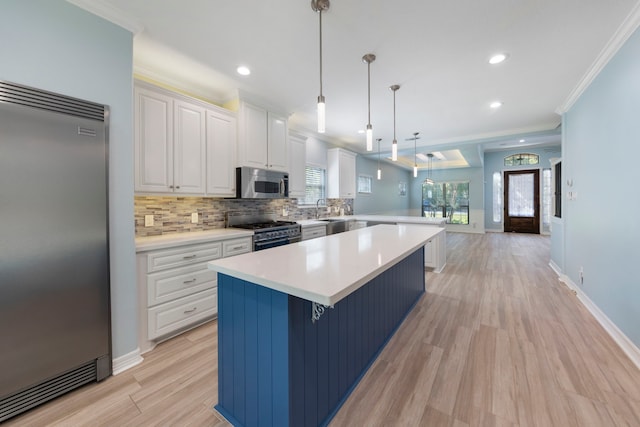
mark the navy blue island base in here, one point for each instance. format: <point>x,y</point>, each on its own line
<point>278,368</point>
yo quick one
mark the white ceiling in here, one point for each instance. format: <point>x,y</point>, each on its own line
<point>437,51</point>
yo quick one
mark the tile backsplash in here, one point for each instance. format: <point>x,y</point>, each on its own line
<point>173,214</point>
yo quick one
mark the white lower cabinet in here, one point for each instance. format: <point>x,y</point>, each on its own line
<point>176,290</point>
<point>435,252</point>
<point>314,231</point>
<point>175,315</point>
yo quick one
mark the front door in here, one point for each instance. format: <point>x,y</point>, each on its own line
<point>522,201</point>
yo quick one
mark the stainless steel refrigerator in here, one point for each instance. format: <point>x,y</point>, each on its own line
<point>55,332</point>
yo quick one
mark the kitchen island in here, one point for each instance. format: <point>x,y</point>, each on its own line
<point>299,325</point>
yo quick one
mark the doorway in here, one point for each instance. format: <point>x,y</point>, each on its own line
<point>522,201</point>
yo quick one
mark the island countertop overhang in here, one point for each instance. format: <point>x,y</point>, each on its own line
<point>326,270</point>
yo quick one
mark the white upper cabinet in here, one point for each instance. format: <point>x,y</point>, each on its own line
<point>189,148</point>
<point>253,136</point>
<point>263,141</point>
<point>297,164</point>
<point>341,174</point>
<point>182,145</point>
<point>153,141</point>
<point>221,154</point>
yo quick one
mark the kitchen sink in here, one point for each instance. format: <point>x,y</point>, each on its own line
<point>335,225</point>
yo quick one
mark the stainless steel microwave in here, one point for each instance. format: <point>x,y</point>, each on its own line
<point>252,183</point>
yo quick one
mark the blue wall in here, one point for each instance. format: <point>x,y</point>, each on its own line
<point>384,198</point>
<point>55,46</point>
<point>494,162</point>
<point>601,228</point>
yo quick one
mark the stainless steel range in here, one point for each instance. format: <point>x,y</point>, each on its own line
<point>268,232</point>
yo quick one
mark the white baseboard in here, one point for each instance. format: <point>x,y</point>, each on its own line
<point>439,270</point>
<point>629,348</point>
<point>128,361</point>
<point>493,230</point>
<point>557,269</point>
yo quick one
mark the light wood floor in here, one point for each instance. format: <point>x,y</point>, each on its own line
<point>496,341</point>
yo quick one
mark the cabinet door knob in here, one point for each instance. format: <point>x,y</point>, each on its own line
<point>177,186</point>
<point>171,186</point>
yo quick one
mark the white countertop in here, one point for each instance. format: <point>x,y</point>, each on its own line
<point>180,239</point>
<point>327,269</point>
<point>398,219</point>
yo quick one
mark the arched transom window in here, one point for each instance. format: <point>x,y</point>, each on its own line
<point>521,159</point>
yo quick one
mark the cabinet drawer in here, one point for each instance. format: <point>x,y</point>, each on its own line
<point>313,232</point>
<point>173,316</point>
<point>186,255</point>
<point>236,246</point>
<point>179,282</point>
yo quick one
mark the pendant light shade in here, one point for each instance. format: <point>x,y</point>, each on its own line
<point>321,115</point>
<point>379,170</point>
<point>428,179</point>
<point>320,6</point>
<point>394,144</point>
<point>369,58</point>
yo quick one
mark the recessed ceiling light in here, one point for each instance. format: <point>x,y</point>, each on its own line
<point>243,71</point>
<point>522,140</point>
<point>498,58</point>
<point>495,104</point>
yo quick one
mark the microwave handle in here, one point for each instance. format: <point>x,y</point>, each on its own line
<point>282,187</point>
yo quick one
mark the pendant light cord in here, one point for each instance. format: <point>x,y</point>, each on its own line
<point>394,116</point>
<point>320,19</point>
<point>369,92</point>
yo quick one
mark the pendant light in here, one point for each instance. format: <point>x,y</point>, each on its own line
<point>415,162</point>
<point>379,170</point>
<point>428,180</point>
<point>394,144</point>
<point>320,6</point>
<point>369,58</point>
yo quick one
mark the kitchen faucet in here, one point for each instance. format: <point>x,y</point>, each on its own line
<point>317,207</point>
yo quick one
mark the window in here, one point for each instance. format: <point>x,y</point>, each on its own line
<point>448,200</point>
<point>546,197</point>
<point>315,185</point>
<point>557,190</point>
<point>521,195</point>
<point>364,183</point>
<point>497,197</point>
<point>521,159</point>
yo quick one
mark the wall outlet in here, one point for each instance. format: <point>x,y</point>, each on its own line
<point>328,210</point>
<point>285,212</point>
<point>194,218</point>
<point>148,220</point>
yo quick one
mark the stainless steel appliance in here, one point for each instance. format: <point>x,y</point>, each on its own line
<point>254,183</point>
<point>267,231</point>
<point>54,250</point>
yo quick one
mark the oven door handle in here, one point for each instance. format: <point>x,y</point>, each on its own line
<point>270,242</point>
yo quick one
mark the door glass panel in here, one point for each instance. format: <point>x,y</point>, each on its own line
<point>521,195</point>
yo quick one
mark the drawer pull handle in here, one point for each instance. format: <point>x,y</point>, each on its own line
<point>237,248</point>
<point>190,311</point>
<point>189,281</point>
<point>189,256</point>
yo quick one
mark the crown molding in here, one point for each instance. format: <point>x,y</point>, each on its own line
<point>111,14</point>
<point>619,38</point>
